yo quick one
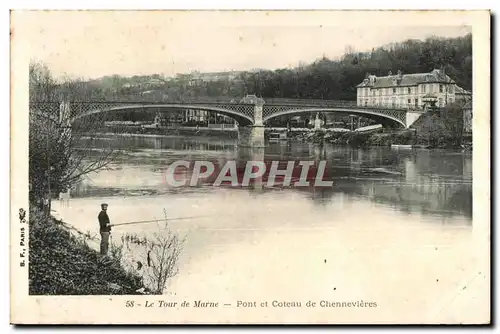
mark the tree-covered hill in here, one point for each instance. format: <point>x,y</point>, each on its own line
<point>323,79</point>
<point>337,79</point>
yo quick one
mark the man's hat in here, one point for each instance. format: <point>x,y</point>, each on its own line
<point>104,204</point>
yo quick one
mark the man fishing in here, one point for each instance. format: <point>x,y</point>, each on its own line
<point>105,228</point>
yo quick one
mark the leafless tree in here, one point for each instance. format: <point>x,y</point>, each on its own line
<point>42,85</point>
<point>164,252</point>
<point>61,152</point>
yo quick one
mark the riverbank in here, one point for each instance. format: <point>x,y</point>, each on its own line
<point>431,130</point>
<point>62,263</point>
<point>365,139</point>
<point>227,133</point>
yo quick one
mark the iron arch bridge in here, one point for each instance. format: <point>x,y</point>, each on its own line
<point>379,114</point>
<point>244,114</point>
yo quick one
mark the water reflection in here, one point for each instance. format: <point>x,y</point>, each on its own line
<point>423,181</point>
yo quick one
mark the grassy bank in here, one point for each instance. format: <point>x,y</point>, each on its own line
<point>63,264</point>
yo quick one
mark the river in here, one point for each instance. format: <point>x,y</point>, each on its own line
<point>393,223</point>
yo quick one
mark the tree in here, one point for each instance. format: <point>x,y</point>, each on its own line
<point>453,119</point>
<point>441,127</point>
<point>60,152</point>
<point>42,86</point>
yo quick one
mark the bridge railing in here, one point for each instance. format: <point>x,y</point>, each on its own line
<point>53,105</point>
<point>329,103</point>
<point>149,101</point>
<point>307,102</point>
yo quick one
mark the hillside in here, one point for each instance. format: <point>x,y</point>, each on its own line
<point>322,79</point>
<point>62,264</point>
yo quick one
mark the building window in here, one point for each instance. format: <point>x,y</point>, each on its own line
<point>409,101</point>
<point>440,88</point>
<point>416,102</point>
<point>394,91</point>
<point>409,90</point>
<point>423,88</point>
<point>441,102</point>
<point>450,88</point>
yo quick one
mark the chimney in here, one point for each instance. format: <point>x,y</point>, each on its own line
<point>400,74</point>
<point>372,79</point>
<point>390,72</point>
<point>442,71</point>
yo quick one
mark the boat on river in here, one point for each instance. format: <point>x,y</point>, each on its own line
<point>406,147</point>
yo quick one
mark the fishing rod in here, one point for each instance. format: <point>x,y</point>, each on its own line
<point>158,220</point>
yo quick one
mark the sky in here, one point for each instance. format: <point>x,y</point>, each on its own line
<point>94,44</point>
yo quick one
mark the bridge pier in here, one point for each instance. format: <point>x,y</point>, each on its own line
<point>65,120</point>
<point>251,136</point>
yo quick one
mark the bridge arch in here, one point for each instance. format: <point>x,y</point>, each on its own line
<point>396,116</point>
<point>242,113</point>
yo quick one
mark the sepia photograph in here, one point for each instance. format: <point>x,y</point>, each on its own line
<point>286,167</point>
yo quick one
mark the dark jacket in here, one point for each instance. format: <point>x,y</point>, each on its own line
<point>103,220</point>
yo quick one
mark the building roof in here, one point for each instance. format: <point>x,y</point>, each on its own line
<point>398,80</point>
<point>460,90</point>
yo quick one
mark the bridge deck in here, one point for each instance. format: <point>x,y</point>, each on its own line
<point>243,112</point>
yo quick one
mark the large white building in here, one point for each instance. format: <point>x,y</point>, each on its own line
<point>409,91</point>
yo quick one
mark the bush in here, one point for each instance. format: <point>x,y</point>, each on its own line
<point>159,255</point>
<point>442,128</point>
<point>163,252</point>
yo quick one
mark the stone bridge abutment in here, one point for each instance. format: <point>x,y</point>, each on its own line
<point>253,135</point>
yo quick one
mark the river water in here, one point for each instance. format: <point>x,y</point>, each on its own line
<point>394,223</point>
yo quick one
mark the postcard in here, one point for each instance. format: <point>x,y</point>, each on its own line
<point>250,167</point>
